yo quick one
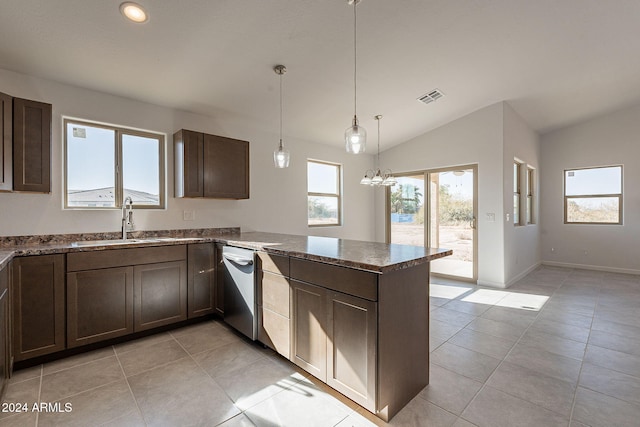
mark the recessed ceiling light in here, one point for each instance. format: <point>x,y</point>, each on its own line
<point>134,12</point>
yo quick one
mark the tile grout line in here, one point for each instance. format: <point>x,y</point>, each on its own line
<point>39,393</point>
<point>129,387</point>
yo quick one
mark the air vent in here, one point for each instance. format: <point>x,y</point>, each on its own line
<point>432,96</point>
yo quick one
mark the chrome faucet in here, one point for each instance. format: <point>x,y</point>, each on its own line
<point>127,216</point>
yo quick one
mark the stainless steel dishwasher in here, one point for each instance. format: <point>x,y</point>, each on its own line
<point>240,305</point>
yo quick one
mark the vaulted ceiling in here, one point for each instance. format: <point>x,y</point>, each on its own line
<point>556,62</point>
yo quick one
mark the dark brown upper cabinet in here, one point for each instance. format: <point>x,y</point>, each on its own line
<point>210,166</point>
<point>6,143</point>
<point>31,146</point>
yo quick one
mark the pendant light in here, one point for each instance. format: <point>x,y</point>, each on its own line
<point>376,177</point>
<point>355,136</point>
<point>281,156</point>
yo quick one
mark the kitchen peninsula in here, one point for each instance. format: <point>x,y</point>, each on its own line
<point>353,314</point>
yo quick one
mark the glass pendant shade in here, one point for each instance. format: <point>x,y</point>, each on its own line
<point>281,157</point>
<point>355,138</point>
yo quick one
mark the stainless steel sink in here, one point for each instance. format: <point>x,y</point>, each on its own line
<point>110,242</point>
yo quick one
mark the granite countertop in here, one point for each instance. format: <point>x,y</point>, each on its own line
<point>370,256</point>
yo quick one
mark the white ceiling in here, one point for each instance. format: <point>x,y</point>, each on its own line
<point>556,62</point>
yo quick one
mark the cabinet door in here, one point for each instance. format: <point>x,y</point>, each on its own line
<point>219,282</point>
<point>99,305</point>
<point>31,146</point>
<point>160,294</point>
<point>201,279</point>
<point>189,163</point>
<point>351,348</point>
<point>38,305</point>
<point>226,168</point>
<point>6,142</point>
<point>309,325</point>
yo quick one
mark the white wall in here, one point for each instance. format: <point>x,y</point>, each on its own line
<point>521,243</point>
<point>475,138</point>
<point>278,197</point>
<point>608,140</point>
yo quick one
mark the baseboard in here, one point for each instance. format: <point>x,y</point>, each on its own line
<point>491,284</point>
<point>523,274</point>
<point>592,267</point>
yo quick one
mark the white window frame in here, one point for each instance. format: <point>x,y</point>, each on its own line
<point>619,196</point>
<point>119,190</point>
<point>337,194</point>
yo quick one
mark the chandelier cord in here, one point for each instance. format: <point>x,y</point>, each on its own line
<point>280,111</point>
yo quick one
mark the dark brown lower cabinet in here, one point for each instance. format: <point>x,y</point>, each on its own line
<point>99,305</point>
<point>351,347</point>
<point>38,295</point>
<point>5,332</point>
<point>335,340</point>
<point>309,325</point>
<point>160,294</point>
<point>201,279</point>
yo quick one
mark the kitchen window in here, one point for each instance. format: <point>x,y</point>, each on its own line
<point>516,192</point>
<point>530,195</point>
<point>323,193</point>
<point>104,164</point>
<point>593,195</point>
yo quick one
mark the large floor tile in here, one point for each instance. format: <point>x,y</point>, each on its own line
<point>598,410</point>
<point>258,381</point>
<point>452,317</point>
<point>149,357</point>
<point>442,330</point>
<point>474,309</point>
<point>229,357</point>
<point>240,420</point>
<point>80,378</point>
<point>464,362</point>
<point>543,390</point>
<point>303,404</point>
<point>554,344</point>
<point>142,343</point>
<point>23,392</point>
<point>79,359</point>
<point>483,343</point>
<point>26,374</point>
<point>449,390</point>
<point>618,329</point>
<point>180,393</point>
<point>205,336</point>
<point>615,342</point>
<point>22,419</point>
<point>496,328</point>
<point>611,383</point>
<point>562,330</point>
<point>565,317</point>
<point>615,360</point>
<point>494,408</point>
<point>94,407</point>
<point>546,363</point>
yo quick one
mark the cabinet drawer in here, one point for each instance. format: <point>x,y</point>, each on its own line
<point>358,283</point>
<point>275,293</point>
<point>274,263</point>
<point>275,332</point>
<point>77,261</point>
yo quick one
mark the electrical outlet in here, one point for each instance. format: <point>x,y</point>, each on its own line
<point>553,249</point>
<point>508,217</point>
<point>188,215</point>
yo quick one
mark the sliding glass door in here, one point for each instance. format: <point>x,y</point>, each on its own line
<point>437,207</point>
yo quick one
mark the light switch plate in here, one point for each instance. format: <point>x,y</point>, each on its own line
<point>491,217</point>
<point>188,215</point>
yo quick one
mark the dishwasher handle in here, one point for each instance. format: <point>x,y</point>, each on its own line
<point>238,259</point>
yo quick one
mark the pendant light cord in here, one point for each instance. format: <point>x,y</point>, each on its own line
<point>378,119</point>
<point>355,59</point>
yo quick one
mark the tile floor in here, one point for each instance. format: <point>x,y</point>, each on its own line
<point>559,348</point>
